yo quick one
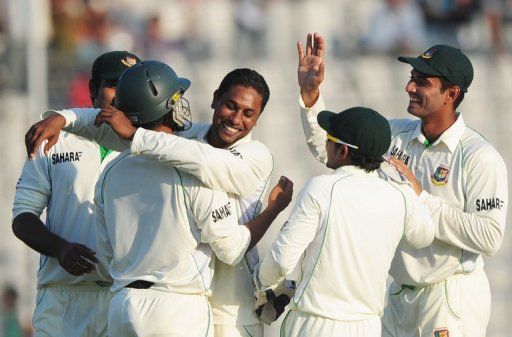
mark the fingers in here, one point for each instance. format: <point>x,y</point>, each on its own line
<point>87,253</point>
<point>104,115</point>
<point>50,143</point>
<point>321,70</point>
<point>78,259</point>
<point>84,265</point>
<point>300,52</point>
<point>309,42</point>
<point>286,183</point>
<point>30,146</point>
<point>319,47</point>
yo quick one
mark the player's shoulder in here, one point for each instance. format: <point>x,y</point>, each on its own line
<point>196,130</point>
<point>323,183</point>
<point>403,125</point>
<point>254,149</point>
<point>474,146</point>
<point>69,141</point>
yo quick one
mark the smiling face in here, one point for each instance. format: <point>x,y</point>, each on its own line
<point>426,97</point>
<point>236,113</point>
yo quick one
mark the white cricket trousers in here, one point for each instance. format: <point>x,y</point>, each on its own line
<point>71,311</point>
<point>300,324</point>
<point>156,313</point>
<point>254,330</point>
<point>456,307</point>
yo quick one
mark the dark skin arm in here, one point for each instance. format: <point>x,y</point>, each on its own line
<point>75,258</point>
<point>278,199</point>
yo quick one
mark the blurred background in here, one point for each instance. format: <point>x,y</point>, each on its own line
<point>47,48</point>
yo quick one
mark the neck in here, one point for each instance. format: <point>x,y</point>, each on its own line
<point>163,128</point>
<point>434,126</point>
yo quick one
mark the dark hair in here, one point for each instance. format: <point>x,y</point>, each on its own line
<point>445,84</point>
<point>164,120</point>
<point>367,163</point>
<point>248,78</point>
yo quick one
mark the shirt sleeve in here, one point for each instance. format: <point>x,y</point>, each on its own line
<point>216,217</point>
<point>239,170</point>
<point>80,122</point>
<point>479,228</point>
<point>33,190</point>
<point>419,228</point>
<point>295,236</point>
<point>315,135</point>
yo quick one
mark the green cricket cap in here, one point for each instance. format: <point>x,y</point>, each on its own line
<point>363,129</point>
<point>109,66</point>
<point>444,61</point>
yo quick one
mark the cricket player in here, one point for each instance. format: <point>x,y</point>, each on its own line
<point>160,226</point>
<point>72,297</point>
<point>441,290</point>
<point>343,232</point>
<point>222,155</point>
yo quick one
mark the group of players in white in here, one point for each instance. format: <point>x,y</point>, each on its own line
<point>152,224</point>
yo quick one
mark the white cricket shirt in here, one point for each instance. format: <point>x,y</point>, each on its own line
<point>465,189</point>
<point>342,235</point>
<point>242,169</point>
<point>63,182</point>
<point>159,225</point>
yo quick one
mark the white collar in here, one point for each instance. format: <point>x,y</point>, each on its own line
<point>450,137</point>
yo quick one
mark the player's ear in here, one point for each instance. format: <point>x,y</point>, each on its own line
<point>453,93</point>
<point>342,152</point>
<point>215,99</point>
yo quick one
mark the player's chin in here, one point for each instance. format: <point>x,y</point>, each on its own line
<point>413,109</point>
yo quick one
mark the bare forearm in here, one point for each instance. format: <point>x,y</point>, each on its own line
<point>30,229</point>
<point>259,225</point>
<point>309,97</point>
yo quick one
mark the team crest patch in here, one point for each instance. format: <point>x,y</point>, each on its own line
<point>428,54</point>
<point>129,61</point>
<point>443,332</point>
<point>440,177</point>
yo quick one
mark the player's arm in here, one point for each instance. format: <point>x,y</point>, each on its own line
<point>278,199</point>
<point>33,192</point>
<point>216,217</point>
<point>297,233</point>
<point>479,228</point>
<point>80,122</point>
<point>419,228</point>
<point>237,171</point>
<point>310,74</point>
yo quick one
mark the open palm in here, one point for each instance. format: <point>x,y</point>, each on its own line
<point>311,67</point>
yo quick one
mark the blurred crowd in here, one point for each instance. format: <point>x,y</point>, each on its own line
<point>79,30</point>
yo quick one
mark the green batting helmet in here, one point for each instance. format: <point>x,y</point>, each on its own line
<point>148,91</point>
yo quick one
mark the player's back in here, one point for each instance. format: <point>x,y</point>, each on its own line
<point>151,227</point>
<point>362,219</point>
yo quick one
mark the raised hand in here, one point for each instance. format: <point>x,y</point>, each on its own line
<point>281,195</point>
<point>117,121</point>
<point>310,72</point>
<point>76,258</point>
<point>47,129</point>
